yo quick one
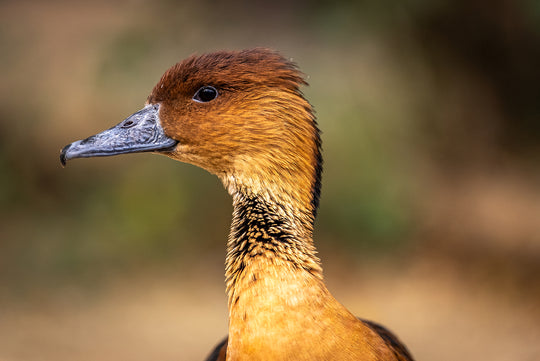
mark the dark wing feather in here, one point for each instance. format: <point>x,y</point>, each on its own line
<point>399,349</point>
<point>219,352</point>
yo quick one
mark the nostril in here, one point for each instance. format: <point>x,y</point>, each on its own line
<point>128,123</point>
<point>89,139</point>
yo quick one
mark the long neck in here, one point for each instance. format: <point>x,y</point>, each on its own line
<point>270,234</point>
<point>275,202</point>
<point>275,288</point>
<point>271,270</point>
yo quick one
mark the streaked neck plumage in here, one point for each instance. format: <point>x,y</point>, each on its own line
<point>274,278</point>
<point>275,200</point>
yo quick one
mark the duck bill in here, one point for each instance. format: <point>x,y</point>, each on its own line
<point>140,132</point>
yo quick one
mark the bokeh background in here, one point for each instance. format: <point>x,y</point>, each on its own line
<point>430,210</point>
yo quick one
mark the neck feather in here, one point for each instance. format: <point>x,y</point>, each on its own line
<point>278,234</point>
<point>275,288</point>
<point>275,200</point>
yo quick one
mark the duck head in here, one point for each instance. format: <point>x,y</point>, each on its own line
<point>239,115</point>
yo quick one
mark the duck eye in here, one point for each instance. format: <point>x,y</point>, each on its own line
<point>205,94</point>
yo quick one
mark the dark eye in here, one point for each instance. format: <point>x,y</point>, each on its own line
<point>205,94</point>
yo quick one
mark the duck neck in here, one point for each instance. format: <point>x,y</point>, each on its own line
<point>271,265</point>
<point>268,238</point>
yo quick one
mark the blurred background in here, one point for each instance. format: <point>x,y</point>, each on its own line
<point>430,209</point>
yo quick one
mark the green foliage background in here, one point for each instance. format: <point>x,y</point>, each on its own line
<point>414,98</point>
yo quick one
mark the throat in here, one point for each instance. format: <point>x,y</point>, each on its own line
<point>269,243</point>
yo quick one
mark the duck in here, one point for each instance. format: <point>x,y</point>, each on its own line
<point>241,115</point>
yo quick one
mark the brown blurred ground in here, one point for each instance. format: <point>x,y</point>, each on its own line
<point>430,213</point>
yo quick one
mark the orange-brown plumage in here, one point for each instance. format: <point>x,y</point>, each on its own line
<point>254,129</point>
<point>233,134</point>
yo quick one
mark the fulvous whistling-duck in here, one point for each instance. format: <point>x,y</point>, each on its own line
<point>241,116</point>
